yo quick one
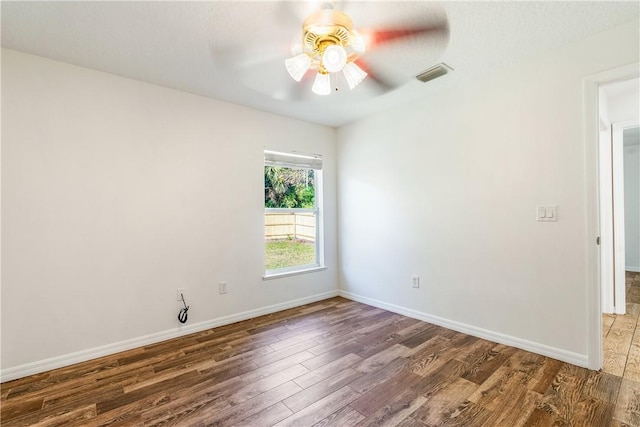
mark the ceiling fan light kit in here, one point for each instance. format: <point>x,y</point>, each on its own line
<point>329,45</point>
<point>322,84</point>
<point>298,65</point>
<point>353,74</point>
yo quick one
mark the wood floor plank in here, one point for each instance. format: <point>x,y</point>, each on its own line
<point>633,359</point>
<point>444,401</point>
<point>375,343</point>
<point>372,379</point>
<point>267,417</point>
<point>77,416</point>
<point>607,322</point>
<point>312,394</point>
<point>317,375</point>
<point>209,414</point>
<point>396,410</point>
<point>173,383</point>
<point>22,386</point>
<point>633,309</point>
<point>347,332</point>
<point>255,388</point>
<point>275,367</point>
<point>561,400</point>
<point>410,422</point>
<point>550,368</point>
<point>516,410</point>
<point>467,414</point>
<point>345,417</point>
<point>631,375</point>
<point>440,378</point>
<point>483,362</point>
<point>317,326</point>
<point>134,411</point>
<point>19,407</point>
<point>499,388</point>
<point>321,409</point>
<point>415,340</point>
<point>593,412</point>
<point>614,363</point>
<point>376,398</point>
<point>628,404</point>
<point>430,355</point>
<point>378,360</point>
<point>172,408</point>
<point>636,336</point>
<point>275,356</point>
<point>330,356</point>
<point>602,386</point>
<point>620,335</point>
<point>296,339</point>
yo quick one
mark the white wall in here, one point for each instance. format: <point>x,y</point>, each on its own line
<point>117,192</point>
<point>447,189</point>
<point>632,203</point>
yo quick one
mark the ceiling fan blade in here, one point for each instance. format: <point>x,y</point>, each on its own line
<point>233,56</point>
<point>234,44</point>
<point>381,83</point>
<point>295,12</point>
<point>378,38</point>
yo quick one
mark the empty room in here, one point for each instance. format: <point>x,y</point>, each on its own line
<point>320,213</point>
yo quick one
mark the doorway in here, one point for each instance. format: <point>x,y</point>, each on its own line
<point>594,325</point>
<point>619,191</point>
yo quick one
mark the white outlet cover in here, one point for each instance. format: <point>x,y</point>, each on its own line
<point>415,281</point>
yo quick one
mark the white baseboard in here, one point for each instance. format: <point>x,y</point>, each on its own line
<point>542,349</point>
<point>37,367</point>
<point>634,269</point>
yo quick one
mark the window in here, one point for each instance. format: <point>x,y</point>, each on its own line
<point>293,213</point>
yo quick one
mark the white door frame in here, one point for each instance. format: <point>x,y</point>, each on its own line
<point>591,138</point>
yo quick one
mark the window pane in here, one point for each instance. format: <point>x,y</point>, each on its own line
<point>290,239</point>
<point>291,217</point>
<point>290,188</point>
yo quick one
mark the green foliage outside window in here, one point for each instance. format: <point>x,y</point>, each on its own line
<point>288,188</point>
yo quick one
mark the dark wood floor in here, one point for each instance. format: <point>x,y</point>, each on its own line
<point>332,363</point>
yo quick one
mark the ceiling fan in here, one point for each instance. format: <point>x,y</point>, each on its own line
<point>330,44</point>
<point>375,45</point>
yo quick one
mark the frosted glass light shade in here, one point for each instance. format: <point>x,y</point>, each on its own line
<point>334,58</point>
<point>322,85</point>
<point>357,43</point>
<point>296,45</point>
<point>297,66</point>
<point>353,74</point>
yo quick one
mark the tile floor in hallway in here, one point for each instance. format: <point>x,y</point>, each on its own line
<point>621,335</point>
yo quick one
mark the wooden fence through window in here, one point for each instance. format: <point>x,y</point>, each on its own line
<point>289,225</point>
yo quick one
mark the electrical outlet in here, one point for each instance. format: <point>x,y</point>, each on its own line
<point>222,287</point>
<point>180,292</point>
<point>415,281</point>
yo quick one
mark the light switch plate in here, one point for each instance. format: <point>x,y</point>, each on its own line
<point>547,213</point>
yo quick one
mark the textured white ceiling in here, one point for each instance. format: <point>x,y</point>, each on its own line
<point>234,50</point>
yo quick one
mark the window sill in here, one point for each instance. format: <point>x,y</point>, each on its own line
<point>292,273</point>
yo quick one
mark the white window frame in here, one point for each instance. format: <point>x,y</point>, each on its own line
<point>301,161</point>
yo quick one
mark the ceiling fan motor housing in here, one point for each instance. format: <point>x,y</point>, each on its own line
<point>324,28</point>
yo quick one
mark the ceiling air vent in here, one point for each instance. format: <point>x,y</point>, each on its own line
<point>434,72</point>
